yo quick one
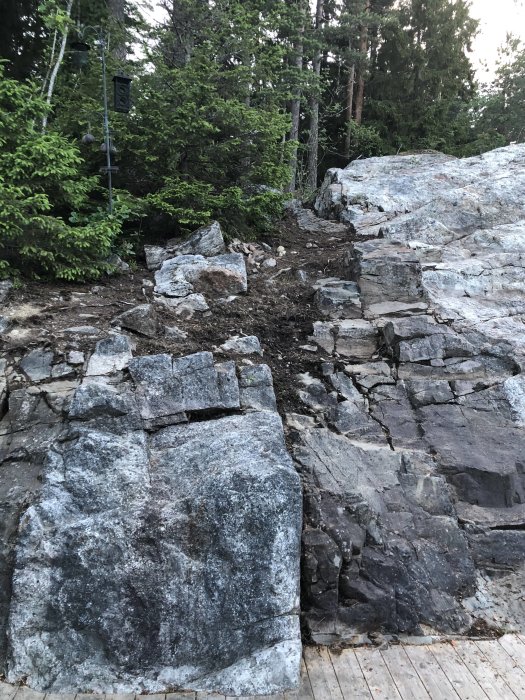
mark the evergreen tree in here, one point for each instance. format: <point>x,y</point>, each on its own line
<point>423,77</point>
<point>22,37</point>
<point>501,110</point>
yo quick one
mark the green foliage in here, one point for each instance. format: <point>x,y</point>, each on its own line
<point>365,142</point>
<point>47,224</point>
<point>422,81</point>
<point>501,109</point>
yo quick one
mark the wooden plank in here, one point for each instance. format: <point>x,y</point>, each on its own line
<point>404,674</point>
<point>321,674</point>
<point>181,695</point>
<point>7,691</point>
<point>72,696</point>
<point>29,694</point>
<point>377,675</point>
<point>514,648</point>
<point>430,673</point>
<point>478,664</point>
<point>112,696</point>
<point>351,680</point>
<point>204,695</point>
<point>465,684</point>
<point>502,663</point>
<point>304,691</point>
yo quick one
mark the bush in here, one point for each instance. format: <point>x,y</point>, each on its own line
<point>48,225</point>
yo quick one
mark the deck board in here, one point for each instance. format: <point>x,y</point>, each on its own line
<point>460,670</point>
<point>404,674</point>
<point>465,684</point>
<point>504,665</point>
<point>478,664</point>
<point>351,680</point>
<point>430,673</point>
<point>377,675</point>
<point>321,673</point>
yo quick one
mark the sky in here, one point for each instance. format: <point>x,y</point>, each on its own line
<point>497,17</point>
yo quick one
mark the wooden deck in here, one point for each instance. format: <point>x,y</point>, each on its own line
<point>462,670</point>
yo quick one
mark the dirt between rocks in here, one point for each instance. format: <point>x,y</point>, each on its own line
<point>278,309</point>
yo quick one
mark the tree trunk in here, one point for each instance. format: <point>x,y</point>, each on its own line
<point>181,21</point>
<point>295,108</point>
<point>349,107</point>
<point>363,50</point>
<point>117,13</point>
<point>313,137</point>
<point>56,67</point>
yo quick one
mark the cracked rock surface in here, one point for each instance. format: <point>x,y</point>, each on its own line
<point>150,527</point>
<point>413,465</point>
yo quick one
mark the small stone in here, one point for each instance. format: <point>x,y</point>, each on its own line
<point>37,365</point>
<point>175,333</point>
<point>185,306</point>
<point>269,262</point>
<point>119,264</point>
<point>5,288</point>
<point>281,250</point>
<point>246,345</point>
<point>75,357</point>
<point>301,276</point>
<point>141,319</point>
<point>309,348</point>
<point>82,330</point>
<point>111,355</point>
<point>256,385</point>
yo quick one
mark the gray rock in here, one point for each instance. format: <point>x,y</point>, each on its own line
<point>207,241</point>
<point>167,389</point>
<point>383,551</point>
<point>184,306</point>
<point>245,345</point>
<point>118,264</point>
<point>221,275</point>
<point>75,357</point>
<point>387,272</point>
<point>175,333</point>
<point>81,330</point>
<point>5,324</point>
<point>111,354</point>
<point>5,289</point>
<point>37,365</point>
<point>153,549</point>
<point>256,387</point>
<point>355,339</point>
<point>338,301</point>
<point>141,319</point>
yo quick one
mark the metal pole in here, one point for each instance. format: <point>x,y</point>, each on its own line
<point>106,124</point>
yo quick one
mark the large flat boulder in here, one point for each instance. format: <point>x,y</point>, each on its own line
<point>183,275</point>
<point>142,550</point>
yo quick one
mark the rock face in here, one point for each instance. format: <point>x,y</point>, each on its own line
<point>186,274</point>
<point>207,241</point>
<point>142,549</point>
<point>413,465</point>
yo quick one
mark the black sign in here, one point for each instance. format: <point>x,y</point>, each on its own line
<point>122,95</point>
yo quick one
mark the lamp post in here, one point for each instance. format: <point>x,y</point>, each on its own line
<point>122,103</point>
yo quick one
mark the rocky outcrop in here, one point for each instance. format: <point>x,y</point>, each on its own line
<point>413,463</point>
<point>151,523</point>
<point>207,241</point>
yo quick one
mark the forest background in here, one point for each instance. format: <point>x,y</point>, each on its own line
<point>235,105</point>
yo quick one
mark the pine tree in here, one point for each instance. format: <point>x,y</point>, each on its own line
<point>423,77</point>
